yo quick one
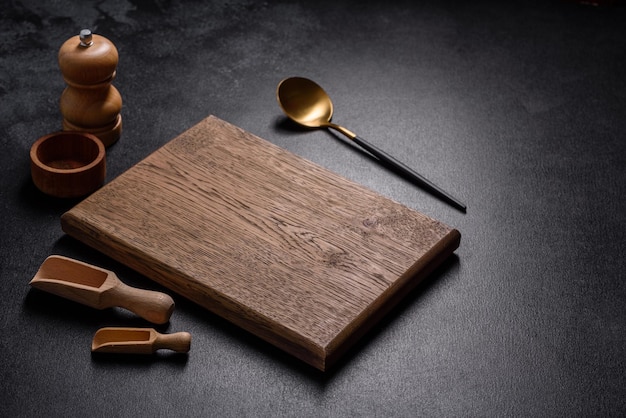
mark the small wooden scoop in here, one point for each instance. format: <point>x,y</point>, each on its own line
<point>100,289</point>
<point>138,341</point>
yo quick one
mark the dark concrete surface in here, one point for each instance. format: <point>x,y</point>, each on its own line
<point>518,108</point>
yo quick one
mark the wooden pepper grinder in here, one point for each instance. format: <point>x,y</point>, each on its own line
<point>90,103</point>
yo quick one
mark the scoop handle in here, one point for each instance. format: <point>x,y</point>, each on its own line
<point>178,341</point>
<point>156,307</point>
<point>408,173</point>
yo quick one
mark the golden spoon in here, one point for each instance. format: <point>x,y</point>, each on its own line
<point>307,104</point>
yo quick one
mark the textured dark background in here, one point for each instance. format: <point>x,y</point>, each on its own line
<point>518,108</point>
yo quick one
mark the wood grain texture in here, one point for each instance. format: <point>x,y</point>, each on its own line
<point>280,246</point>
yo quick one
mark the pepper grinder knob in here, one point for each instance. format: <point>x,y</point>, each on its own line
<point>85,37</point>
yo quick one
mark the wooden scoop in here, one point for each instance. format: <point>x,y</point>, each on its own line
<point>138,341</point>
<point>100,289</point>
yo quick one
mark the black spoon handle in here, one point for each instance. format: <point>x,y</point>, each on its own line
<point>416,178</point>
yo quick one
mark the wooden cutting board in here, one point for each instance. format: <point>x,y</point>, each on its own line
<point>274,243</point>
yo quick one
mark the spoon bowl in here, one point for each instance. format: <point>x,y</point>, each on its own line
<point>307,104</point>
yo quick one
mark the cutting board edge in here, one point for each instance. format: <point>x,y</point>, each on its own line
<point>389,299</point>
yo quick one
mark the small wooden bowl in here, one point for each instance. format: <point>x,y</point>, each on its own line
<point>68,164</point>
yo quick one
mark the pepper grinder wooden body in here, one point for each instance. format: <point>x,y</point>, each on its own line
<point>90,103</point>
